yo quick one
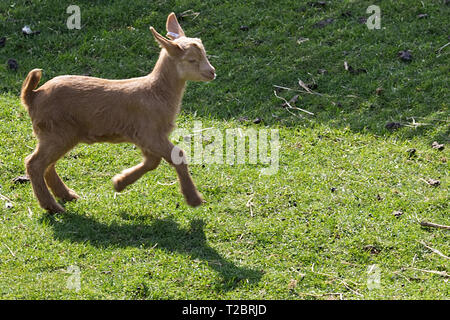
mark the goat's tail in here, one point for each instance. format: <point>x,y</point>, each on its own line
<point>30,83</point>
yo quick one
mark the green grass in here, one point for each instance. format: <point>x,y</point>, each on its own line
<point>313,229</point>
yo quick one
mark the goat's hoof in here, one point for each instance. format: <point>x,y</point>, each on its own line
<point>55,208</point>
<point>71,196</point>
<point>118,183</point>
<point>195,201</point>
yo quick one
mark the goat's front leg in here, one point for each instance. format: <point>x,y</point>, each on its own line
<point>166,150</point>
<point>131,175</point>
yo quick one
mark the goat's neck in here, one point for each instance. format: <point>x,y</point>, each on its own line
<point>167,82</point>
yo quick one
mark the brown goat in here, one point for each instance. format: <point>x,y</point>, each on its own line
<point>68,110</point>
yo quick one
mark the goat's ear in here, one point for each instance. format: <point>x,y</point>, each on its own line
<point>171,47</point>
<point>174,30</point>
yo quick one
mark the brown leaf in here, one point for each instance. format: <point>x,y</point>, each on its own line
<point>323,23</point>
<point>12,64</point>
<point>317,4</point>
<point>301,40</point>
<point>350,69</point>
<point>372,249</point>
<point>362,20</point>
<point>393,125</point>
<point>398,213</point>
<point>346,14</point>
<point>405,55</point>
<point>21,179</point>
<point>294,99</point>
<point>292,284</point>
<point>411,152</point>
<point>312,86</point>
<point>436,145</point>
<point>433,182</point>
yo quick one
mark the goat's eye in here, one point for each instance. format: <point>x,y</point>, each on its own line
<point>192,61</point>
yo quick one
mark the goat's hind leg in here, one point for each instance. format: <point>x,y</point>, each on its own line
<point>131,175</point>
<point>36,164</point>
<point>59,189</point>
<point>46,154</point>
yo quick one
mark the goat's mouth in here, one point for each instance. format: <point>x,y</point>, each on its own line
<point>209,76</point>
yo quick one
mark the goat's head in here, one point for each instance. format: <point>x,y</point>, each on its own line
<point>188,54</point>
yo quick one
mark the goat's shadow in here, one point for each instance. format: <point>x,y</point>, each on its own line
<point>164,234</point>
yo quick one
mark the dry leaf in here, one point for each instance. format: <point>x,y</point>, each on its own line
<point>397,214</point>
<point>436,145</point>
<point>292,284</point>
<point>21,179</point>
<point>372,249</point>
<point>405,55</point>
<point>324,23</point>
<point>433,183</point>
<point>12,64</point>
<point>350,69</point>
<point>393,125</point>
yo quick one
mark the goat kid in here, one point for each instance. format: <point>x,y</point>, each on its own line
<point>68,110</point>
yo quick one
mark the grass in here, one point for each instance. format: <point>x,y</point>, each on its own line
<point>312,230</point>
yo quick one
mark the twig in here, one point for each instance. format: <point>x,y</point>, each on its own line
<point>431,119</point>
<point>120,193</point>
<point>189,13</point>
<point>4,198</point>
<point>329,96</point>
<point>250,204</point>
<point>440,49</point>
<point>289,105</point>
<point>304,86</point>
<point>399,272</point>
<point>346,66</point>
<point>440,273</point>
<point>434,250</point>
<point>308,90</point>
<point>434,225</point>
<point>9,249</point>
<point>204,129</point>
<point>415,124</point>
<point>30,213</point>
<point>340,294</point>
<point>166,184</point>
<point>286,88</point>
<point>338,279</point>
